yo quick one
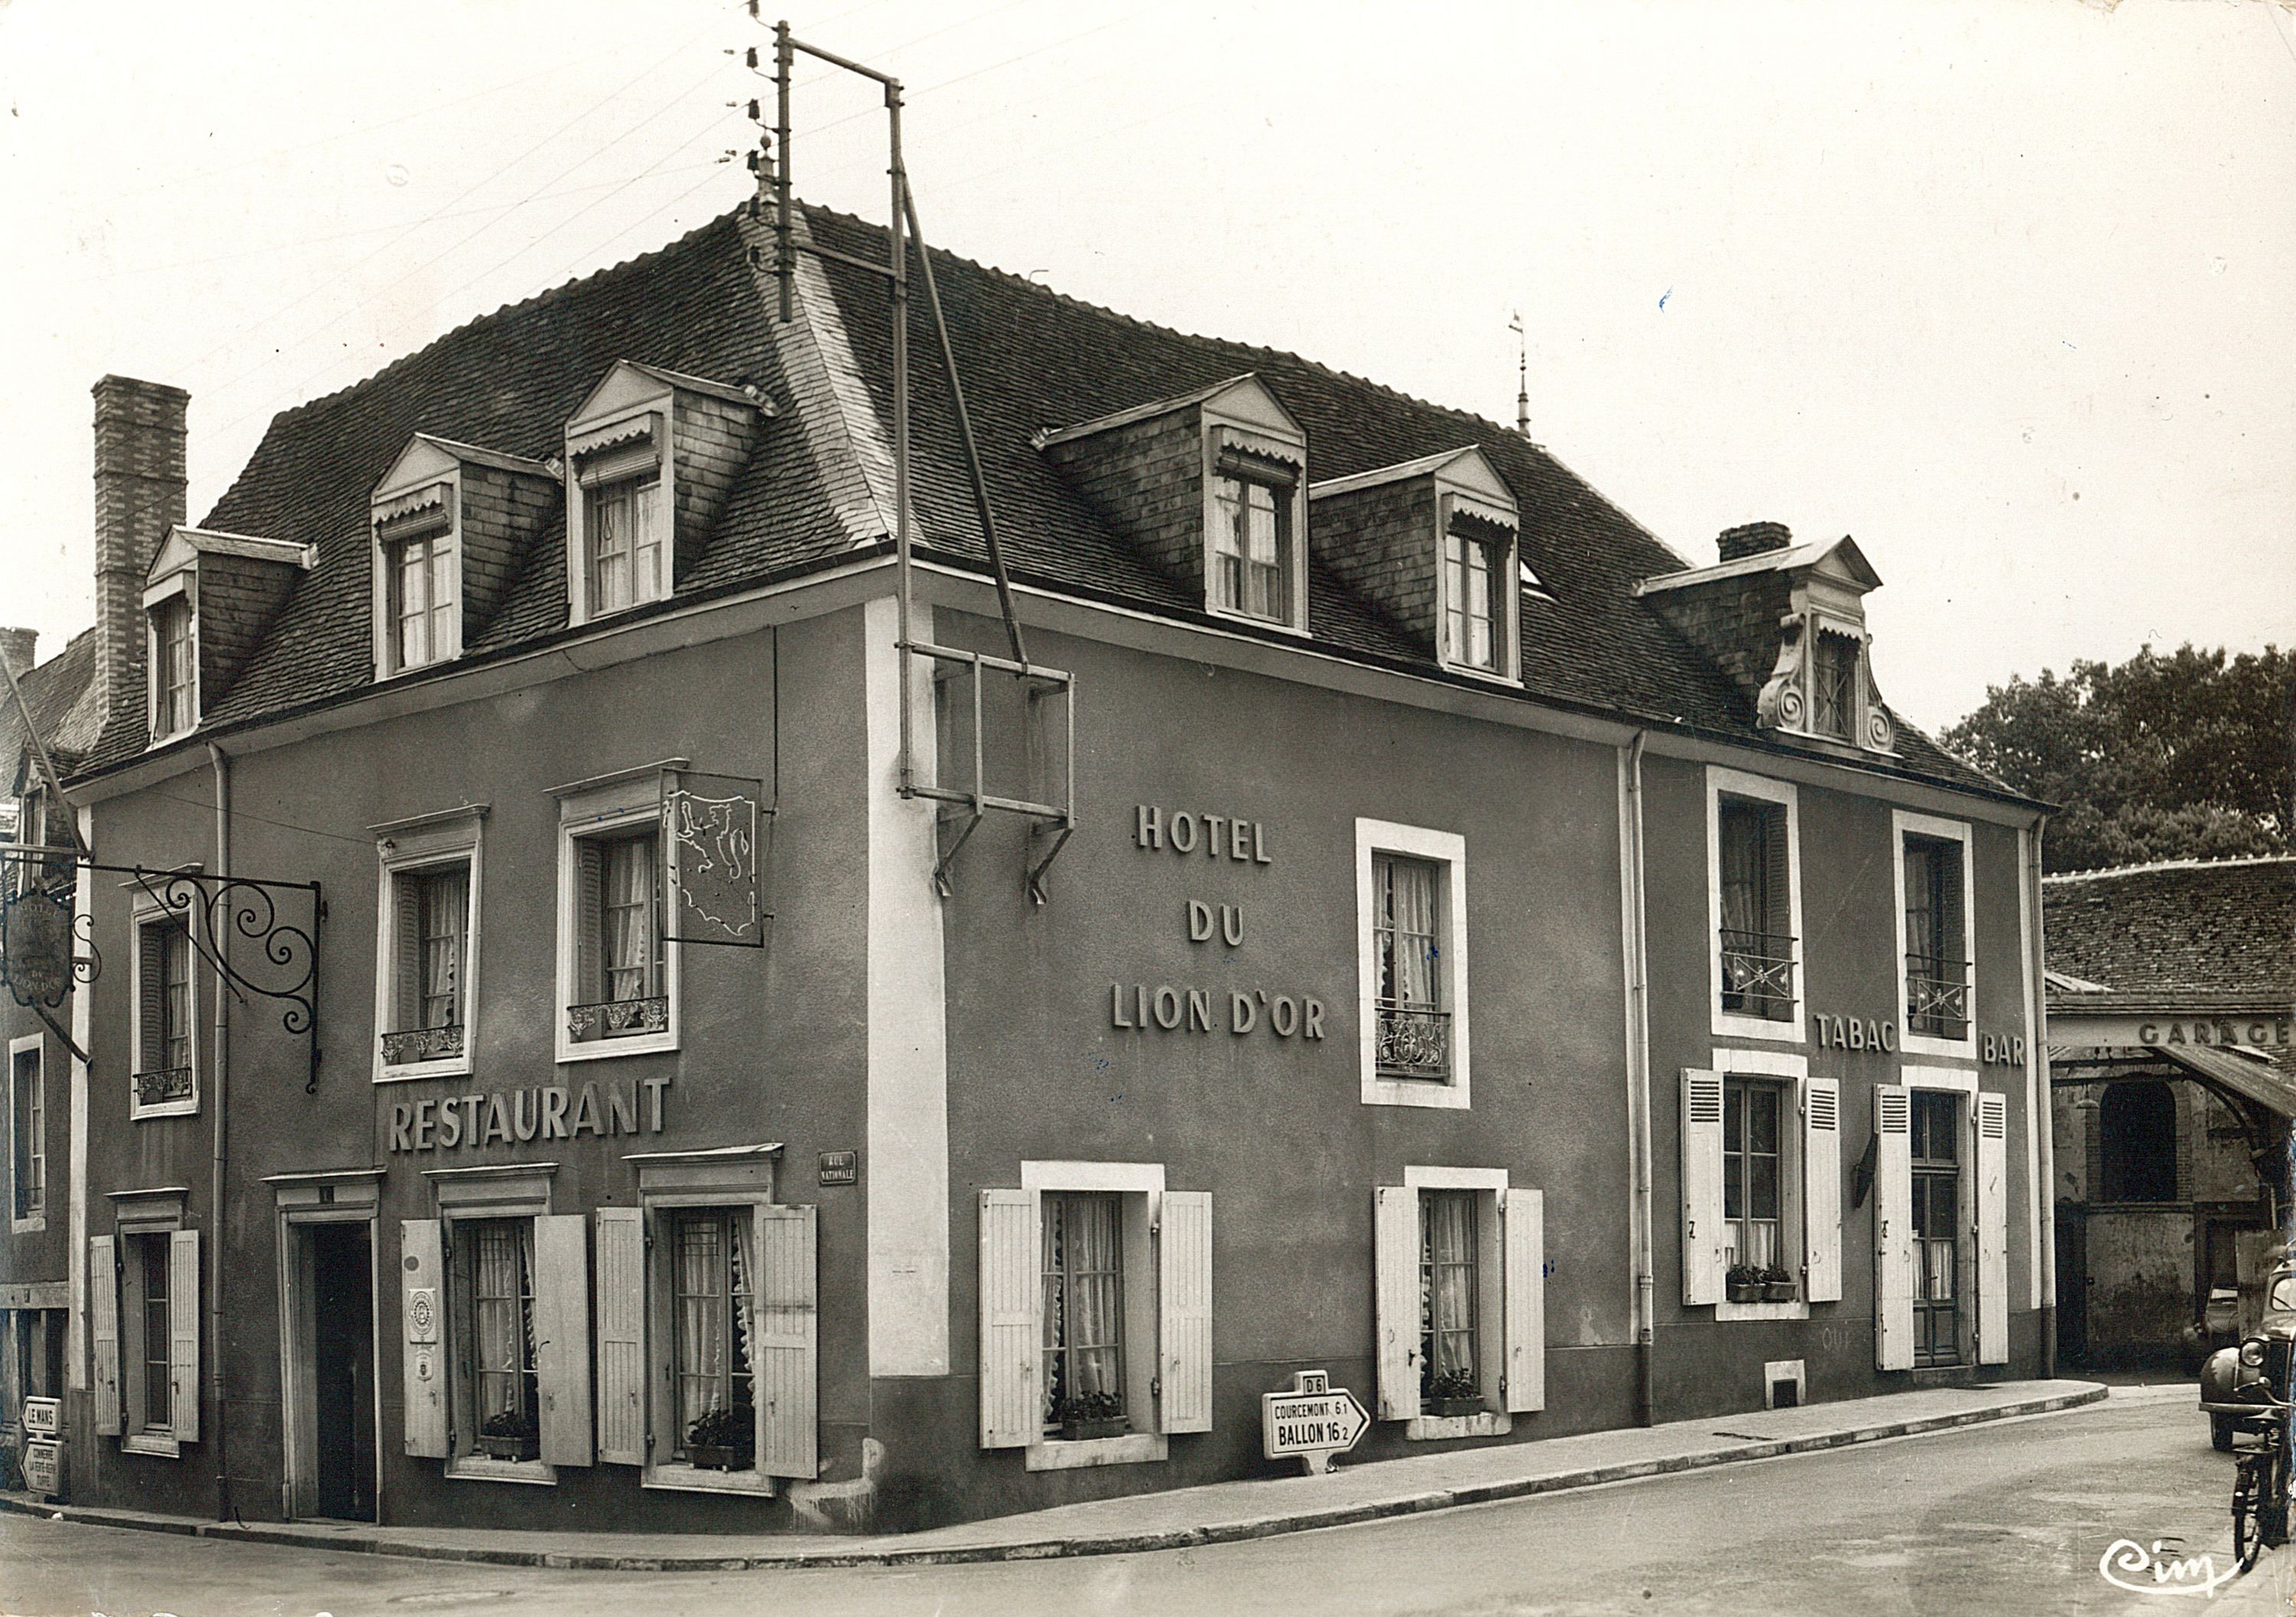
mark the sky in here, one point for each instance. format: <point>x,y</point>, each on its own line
<point>2003,288</point>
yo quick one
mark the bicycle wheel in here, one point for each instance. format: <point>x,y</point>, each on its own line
<point>2247,1495</point>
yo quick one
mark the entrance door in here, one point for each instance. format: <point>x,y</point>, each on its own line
<point>1937,1227</point>
<point>337,1338</point>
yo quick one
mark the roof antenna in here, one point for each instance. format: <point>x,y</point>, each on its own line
<point>1521,375</point>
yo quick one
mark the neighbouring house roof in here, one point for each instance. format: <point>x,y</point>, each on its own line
<point>1033,361</point>
<point>2218,930</point>
<point>61,694</point>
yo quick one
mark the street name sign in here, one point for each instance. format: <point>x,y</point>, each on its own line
<point>44,1416</point>
<point>1312,1422</point>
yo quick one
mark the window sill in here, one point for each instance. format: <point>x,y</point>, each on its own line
<point>1132,1448</point>
<point>1924,1043</point>
<point>30,1226</point>
<point>1443,1094</point>
<point>1433,1428</point>
<point>1729,1024</point>
<point>457,1066</point>
<point>477,1468</point>
<point>1281,626</point>
<point>1725,1312</point>
<point>1488,676</point>
<point>161,1445</point>
<point>602,1050</point>
<point>679,1477</point>
<point>185,1108</point>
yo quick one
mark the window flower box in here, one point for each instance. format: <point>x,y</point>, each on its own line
<point>1454,1392</point>
<point>723,1439</point>
<point>1744,1283</point>
<point>507,1435</point>
<point>1778,1285</point>
<point>1093,1415</point>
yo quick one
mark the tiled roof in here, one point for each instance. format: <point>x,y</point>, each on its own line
<point>1030,359</point>
<point>2218,930</point>
<point>60,695</point>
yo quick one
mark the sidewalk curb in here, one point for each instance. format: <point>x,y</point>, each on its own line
<point>1044,1550</point>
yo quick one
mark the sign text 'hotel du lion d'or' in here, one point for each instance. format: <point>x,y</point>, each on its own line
<point>1231,841</point>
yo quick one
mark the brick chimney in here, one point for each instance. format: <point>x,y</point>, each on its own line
<point>16,649</point>
<point>140,490</point>
<point>1752,539</point>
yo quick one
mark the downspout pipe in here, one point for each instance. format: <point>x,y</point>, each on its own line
<point>218,1101</point>
<point>2044,1107</point>
<point>1638,1102</point>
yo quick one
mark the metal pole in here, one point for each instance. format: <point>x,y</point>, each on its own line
<point>783,265</point>
<point>219,1098</point>
<point>900,416</point>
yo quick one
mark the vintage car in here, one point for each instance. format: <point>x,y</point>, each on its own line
<point>2240,1386</point>
<point>2218,1326</point>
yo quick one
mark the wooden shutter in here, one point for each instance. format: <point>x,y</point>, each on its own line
<point>1992,1229</point>
<point>621,1263</point>
<point>1395,1287</point>
<point>407,954</point>
<point>152,995</point>
<point>786,1362</point>
<point>562,1337</point>
<point>1701,1187</point>
<point>1011,1322</point>
<point>589,907</point>
<point>422,1350</point>
<point>1777,887</point>
<point>1893,1227</point>
<point>103,1329</point>
<point>1184,1311</point>
<point>184,1334</point>
<point>1821,1189</point>
<point>1523,1221</point>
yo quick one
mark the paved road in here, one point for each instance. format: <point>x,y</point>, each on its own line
<point>2009,1517</point>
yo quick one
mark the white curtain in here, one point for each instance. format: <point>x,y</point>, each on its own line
<point>1407,925</point>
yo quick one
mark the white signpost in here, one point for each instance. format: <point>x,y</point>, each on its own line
<point>43,1453</point>
<point>1313,1421</point>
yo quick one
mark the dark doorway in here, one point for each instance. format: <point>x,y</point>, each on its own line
<point>2073,1284</point>
<point>2137,1124</point>
<point>342,1336</point>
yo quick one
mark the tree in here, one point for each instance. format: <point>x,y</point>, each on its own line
<point>2186,756</point>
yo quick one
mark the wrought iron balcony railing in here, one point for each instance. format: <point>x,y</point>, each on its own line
<point>163,1084</point>
<point>1415,1041</point>
<point>618,1018</point>
<point>422,1043</point>
<point>1937,996</point>
<point>1757,974</point>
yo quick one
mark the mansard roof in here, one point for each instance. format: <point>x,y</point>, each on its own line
<point>817,483</point>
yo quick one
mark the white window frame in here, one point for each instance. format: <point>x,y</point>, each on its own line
<point>1789,1071</point>
<point>161,596</point>
<point>1449,849</point>
<point>418,846</point>
<point>1142,1185</point>
<point>663,406</point>
<point>1490,1186</point>
<point>1904,823</point>
<point>1961,1081</point>
<point>36,1045</point>
<point>1506,590</point>
<point>158,1214</point>
<point>508,1191</point>
<point>1295,563</point>
<point>1722,782</point>
<point>148,913</point>
<point>383,562</point>
<point>594,809</point>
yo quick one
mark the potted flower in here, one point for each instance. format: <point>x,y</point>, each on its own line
<point>723,1439</point>
<point>1777,1284</point>
<point>1091,1414</point>
<point>1454,1391</point>
<point>509,1435</point>
<point>1744,1283</point>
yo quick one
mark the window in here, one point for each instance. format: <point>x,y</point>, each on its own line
<point>1096,1341</point>
<point>711,1265</point>
<point>1937,978</point>
<point>2137,1141</point>
<point>143,1325</point>
<point>1833,685</point>
<point>166,1076</point>
<point>1753,876</point>
<point>617,974</point>
<point>1084,1309</point>
<point>1473,617</point>
<point>1412,967</point>
<point>422,578</point>
<point>624,527</point>
<point>1752,1180</point>
<point>494,1277</point>
<point>174,673</point>
<point>1460,1301</point>
<point>27,1113</point>
<point>1252,547</point>
<point>427,943</point>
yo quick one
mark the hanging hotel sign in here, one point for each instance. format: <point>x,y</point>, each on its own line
<point>713,852</point>
<point>36,944</point>
<point>1312,1422</point>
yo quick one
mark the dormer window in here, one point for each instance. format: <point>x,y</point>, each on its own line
<point>417,537</point>
<point>1471,612</point>
<point>1833,684</point>
<point>450,521</point>
<point>175,669</point>
<point>1251,543</point>
<point>208,600</point>
<point>622,518</point>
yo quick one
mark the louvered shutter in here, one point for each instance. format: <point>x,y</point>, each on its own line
<point>407,954</point>
<point>589,911</point>
<point>422,1315</point>
<point>1821,1188</point>
<point>1777,888</point>
<point>1184,1311</point>
<point>103,1329</point>
<point>562,1337</point>
<point>784,1294</point>
<point>1395,1281</point>
<point>1992,1229</point>
<point>621,1238</point>
<point>1011,1322</point>
<point>1701,1187</point>
<point>152,995</point>
<point>1893,1227</point>
<point>1524,1223</point>
<point>184,1334</point>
